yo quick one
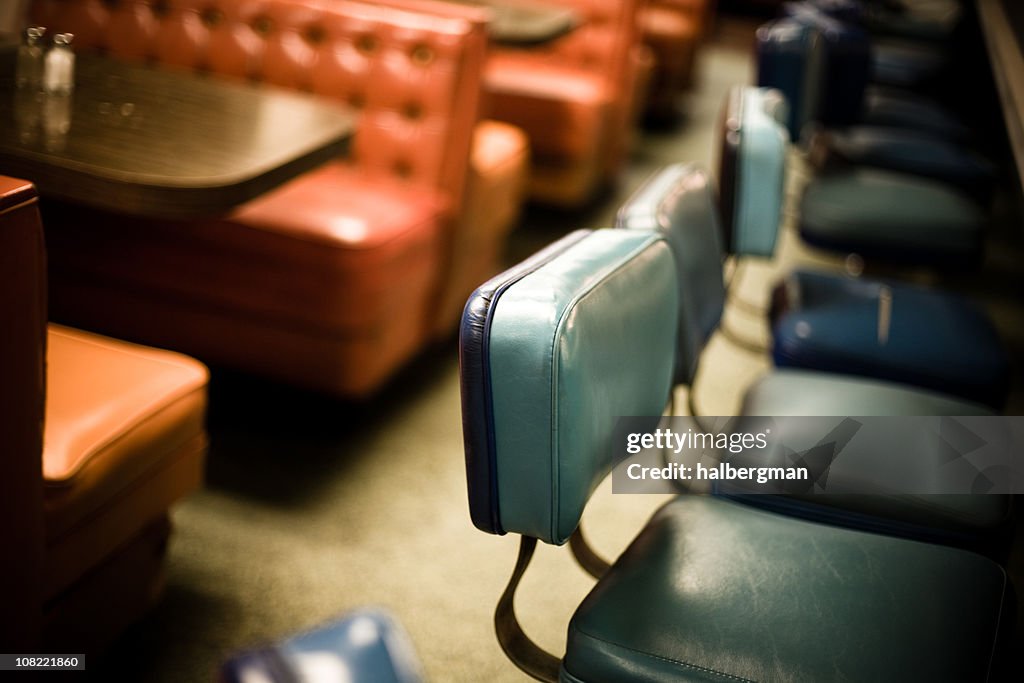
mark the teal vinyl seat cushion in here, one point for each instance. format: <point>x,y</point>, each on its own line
<point>808,392</point>
<point>891,215</point>
<point>980,521</point>
<point>715,591</point>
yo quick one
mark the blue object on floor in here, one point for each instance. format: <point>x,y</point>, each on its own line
<point>365,646</point>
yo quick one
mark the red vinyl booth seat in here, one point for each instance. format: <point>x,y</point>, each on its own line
<point>337,278</point>
<point>672,30</point>
<point>100,439</point>
<point>575,98</point>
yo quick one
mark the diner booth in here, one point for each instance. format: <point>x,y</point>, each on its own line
<point>317,315</point>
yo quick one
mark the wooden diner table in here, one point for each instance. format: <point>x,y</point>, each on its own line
<point>526,22</point>
<point>163,143</point>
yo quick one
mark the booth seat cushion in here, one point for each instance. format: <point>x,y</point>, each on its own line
<point>124,439</point>
<point>716,591</point>
<point>915,152</point>
<point>563,109</point>
<point>936,340</point>
<point>335,273</point>
<point>891,215</point>
<point>672,33</point>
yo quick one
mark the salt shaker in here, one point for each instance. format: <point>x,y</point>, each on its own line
<point>29,69</point>
<point>59,71</point>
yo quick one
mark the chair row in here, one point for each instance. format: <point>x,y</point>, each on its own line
<point>897,177</point>
<point>550,359</point>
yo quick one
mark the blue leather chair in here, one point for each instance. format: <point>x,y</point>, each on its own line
<point>824,66</point>
<point>820,321</point>
<point>364,646</point>
<point>552,352</point>
<point>886,190</point>
<point>678,203</point>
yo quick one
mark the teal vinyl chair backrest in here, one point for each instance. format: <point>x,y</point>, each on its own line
<point>679,203</point>
<point>752,169</point>
<point>565,350</point>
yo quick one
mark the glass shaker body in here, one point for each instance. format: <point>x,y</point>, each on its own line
<point>59,72</point>
<point>29,68</point>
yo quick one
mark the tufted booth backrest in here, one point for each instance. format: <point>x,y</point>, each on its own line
<point>602,42</point>
<point>414,78</point>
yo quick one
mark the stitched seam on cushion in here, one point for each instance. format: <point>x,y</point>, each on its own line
<point>123,429</point>
<point>678,662</point>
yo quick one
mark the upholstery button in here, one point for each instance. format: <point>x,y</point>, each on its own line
<point>412,111</point>
<point>402,168</point>
<point>314,34</point>
<point>161,8</point>
<point>357,100</point>
<point>422,55</point>
<point>262,26</point>
<point>211,17</point>
<point>366,44</point>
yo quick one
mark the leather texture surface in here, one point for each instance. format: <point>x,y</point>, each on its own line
<point>336,279</point>
<point>498,174</point>
<point>978,522</point>
<point>350,279</point>
<point>716,591</point>
<point>679,203</point>
<point>574,97</point>
<point>565,364</point>
<point>104,437</point>
<point>917,153</point>
<point>124,440</point>
<point>476,384</point>
<point>905,64</point>
<point>893,216</point>
<point>761,172</point>
<point>791,58</point>
<point>930,339</point>
<point>891,107</point>
<point>805,392</point>
<point>846,63</point>
<point>672,30</point>
<point>975,521</point>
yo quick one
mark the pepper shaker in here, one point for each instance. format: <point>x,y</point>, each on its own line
<point>29,69</point>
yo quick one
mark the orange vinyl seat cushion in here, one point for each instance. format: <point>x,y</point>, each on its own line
<point>124,438</point>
